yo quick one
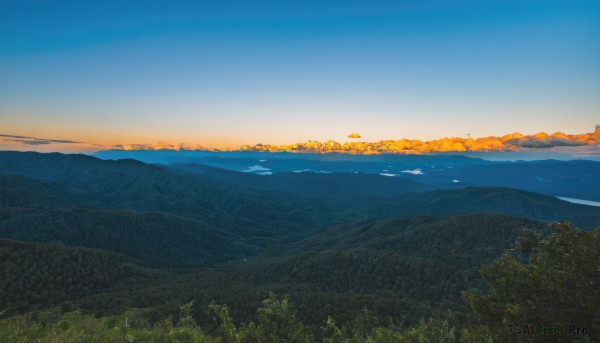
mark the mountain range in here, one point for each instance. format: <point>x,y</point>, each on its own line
<point>132,234</point>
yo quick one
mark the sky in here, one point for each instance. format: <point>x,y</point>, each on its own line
<point>228,73</point>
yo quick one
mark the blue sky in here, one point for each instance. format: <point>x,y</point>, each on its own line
<point>226,73</point>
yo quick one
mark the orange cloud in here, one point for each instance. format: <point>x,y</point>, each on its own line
<point>511,142</point>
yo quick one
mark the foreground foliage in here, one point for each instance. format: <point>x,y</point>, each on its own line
<point>551,282</point>
<point>276,322</point>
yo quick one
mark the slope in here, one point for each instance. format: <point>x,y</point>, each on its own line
<point>576,178</point>
<point>43,275</point>
<point>331,185</point>
<point>133,185</point>
<point>485,199</point>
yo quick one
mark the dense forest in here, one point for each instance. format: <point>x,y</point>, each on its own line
<point>127,251</point>
<point>523,289</point>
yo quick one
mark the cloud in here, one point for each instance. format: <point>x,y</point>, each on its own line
<point>28,143</point>
<point>511,142</point>
<point>414,171</point>
<point>36,141</point>
<point>532,142</point>
<point>31,142</point>
<point>256,168</point>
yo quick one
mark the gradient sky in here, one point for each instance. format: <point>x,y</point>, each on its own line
<point>227,73</point>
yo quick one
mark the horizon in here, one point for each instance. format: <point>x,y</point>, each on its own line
<point>530,146</point>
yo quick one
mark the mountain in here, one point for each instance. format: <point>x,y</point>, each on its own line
<point>570,178</point>
<point>283,161</point>
<point>43,275</point>
<point>577,178</point>
<point>19,191</point>
<point>486,199</point>
<point>133,185</point>
<point>245,212</point>
<point>154,238</point>
<point>381,196</point>
<point>334,242</point>
<point>464,241</point>
<point>38,211</point>
<point>212,215</point>
<point>306,183</point>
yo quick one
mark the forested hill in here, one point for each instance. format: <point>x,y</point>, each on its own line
<point>427,236</point>
<point>129,184</point>
<point>154,238</point>
<point>486,199</point>
<point>46,195</point>
<point>576,178</point>
<point>43,275</point>
<point>349,186</point>
<point>22,192</point>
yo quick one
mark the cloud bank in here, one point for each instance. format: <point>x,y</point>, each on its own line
<point>511,142</point>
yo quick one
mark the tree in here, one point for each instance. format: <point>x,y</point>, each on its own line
<point>551,282</point>
<point>277,323</point>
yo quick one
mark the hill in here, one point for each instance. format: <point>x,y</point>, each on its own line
<point>576,178</point>
<point>337,185</point>
<point>43,275</point>
<point>156,239</point>
<point>18,191</point>
<point>133,185</point>
<point>464,241</point>
<point>486,199</point>
<point>403,268</point>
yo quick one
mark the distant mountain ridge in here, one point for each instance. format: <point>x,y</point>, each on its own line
<point>130,184</point>
<point>333,185</point>
<point>562,178</point>
<point>486,199</point>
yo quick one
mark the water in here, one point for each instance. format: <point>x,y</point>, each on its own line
<point>580,201</point>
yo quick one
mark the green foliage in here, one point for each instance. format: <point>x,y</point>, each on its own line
<point>42,275</point>
<point>432,331</point>
<point>132,185</point>
<point>486,199</point>
<point>227,330</point>
<point>415,272</point>
<point>364,324</point>
<point>331,333</point>
<point>154,239</point>
<point>75,327</point>
<point>277,323</point>
<point>558,285</point>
